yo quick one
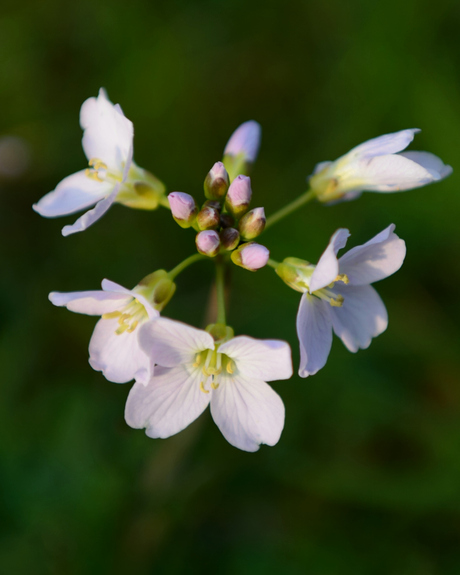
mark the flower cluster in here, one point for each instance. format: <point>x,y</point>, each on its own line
<point>179,370</point>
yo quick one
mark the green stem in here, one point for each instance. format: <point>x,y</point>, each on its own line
<point>292,207</point>
<point>164,202</point>
<point>272,263</point>
<point>220,290</point>
<point>187,262</point>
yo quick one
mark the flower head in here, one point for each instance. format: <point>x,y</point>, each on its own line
<point>197,369</point>
<point>376,166</point>
<point>111,176</point>
<point>251,256</point>
<point>114,347</point>
<point>337,295</point>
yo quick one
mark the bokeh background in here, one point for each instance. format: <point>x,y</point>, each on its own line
<point>366,477</point>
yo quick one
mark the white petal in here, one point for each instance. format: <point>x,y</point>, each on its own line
<point>74,193</point>
<point>362,316</point>
<point>386,144</point>
<point>391,173</point>
<point>264,359</point>
<point>108,133</point>
<point>327,268</point>
<point>89,302</point>
<point>171,343</point>
<point>169,403</point>
<point>430,162</point>
<point>109,285</point>
<point>314,330</point>
<point>248,412</point>
<point>378,258</point>
<point>91,216</point>
<point>119,357</point>
<point>245,140</point>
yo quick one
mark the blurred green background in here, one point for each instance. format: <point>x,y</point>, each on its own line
<point>366,476</point>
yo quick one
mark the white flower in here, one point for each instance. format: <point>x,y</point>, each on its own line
<point>114,347</point>
<point>337,295</point>
<point>196,371</point>
<point>376,166</point>
<point>112,176</point>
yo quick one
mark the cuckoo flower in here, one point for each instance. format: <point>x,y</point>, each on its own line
<point>337,295</point>
<point>114,347</point>
<point>376,166</point>
<point>112,176</point>
<point>196,369</point>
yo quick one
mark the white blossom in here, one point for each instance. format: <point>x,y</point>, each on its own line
<point>376,166</point>
<point>194,371</point>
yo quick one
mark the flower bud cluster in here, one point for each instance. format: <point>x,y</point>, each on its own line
<point>225,218</point>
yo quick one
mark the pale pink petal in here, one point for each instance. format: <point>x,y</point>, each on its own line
<point>91,216</point>
<point>72,194</point>
<point>108,133</point>
<point>378,258</point>
<point>314,330</point>
<point>386,144</point>
<point>170,401</point>
<point>430,162</point>
<point>171,343</point>
<point>362,316</point>
<point>327,268</point>
<point>119,357</point>
<point>90,302</point>
<point>245,140</point>
<point>248,412</point>
<point>264,359</point>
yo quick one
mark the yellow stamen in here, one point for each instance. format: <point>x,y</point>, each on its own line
<point>123,318</point>
<point>122,329</point>
<point>133,326</point>
<point>230,368</point>
<point>338,302</point>
<point>202,388</point>
<point>111,315</point>
<point>215,385</point>
<point>342,278</point>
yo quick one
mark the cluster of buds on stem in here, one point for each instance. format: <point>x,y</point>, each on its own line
<point>225,223</point>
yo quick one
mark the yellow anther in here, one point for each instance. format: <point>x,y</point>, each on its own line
<point>198,360</point>
<point>338,302</point>
<point>111,315</point>
<point>202,388</point>
<point>122,329</point>
<point>215,385</point>
<point>133,326</point>
<point>342,278</point>
<point>230,367</point>
<point>123,318</point>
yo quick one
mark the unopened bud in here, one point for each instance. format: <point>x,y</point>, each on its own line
<point>213,204</point>
<point>239,196</point>
<point>251,256</point>
<point>183,208</point>
<point>252,224</point>
<point>208,218</point>
<point>226,221</point>
<point>229,238</point>
<point>242,149</point>
<point>208,243</point>
<point>216,182</point>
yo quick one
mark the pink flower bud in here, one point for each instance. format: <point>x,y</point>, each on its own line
<point>183,208</point>
<point>208,243</point>
<point>239,196</point>
<point>245,141</point>
<point>208,218</point>
<point>229,238</point>
<point>251,256</point>
<point>252,224</point>
<point>216,182</point>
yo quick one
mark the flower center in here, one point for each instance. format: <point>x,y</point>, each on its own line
<point>326,294</point>
<point>99,171</point>
<point>129,316</point>
<point>213,364</point>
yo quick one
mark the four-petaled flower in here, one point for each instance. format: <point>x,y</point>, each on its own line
<point>112,176</point>
<point>114,347</point>
<point>195,370</point>
<point>375,166</point>
<point>337,295</point>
